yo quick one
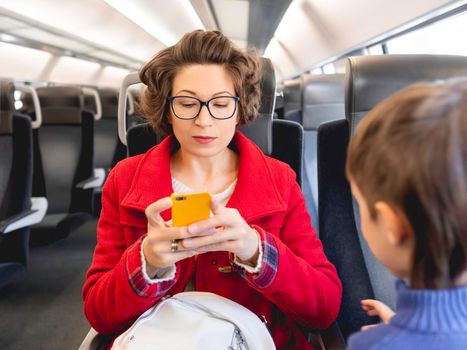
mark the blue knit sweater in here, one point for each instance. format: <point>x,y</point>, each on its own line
<point>425,320</point>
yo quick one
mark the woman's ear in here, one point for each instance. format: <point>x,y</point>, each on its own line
<point>393,223</point>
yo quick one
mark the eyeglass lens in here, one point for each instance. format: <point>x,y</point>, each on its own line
<point>221,107</point>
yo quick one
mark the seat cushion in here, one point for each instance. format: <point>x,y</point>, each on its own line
<point>56,226</point>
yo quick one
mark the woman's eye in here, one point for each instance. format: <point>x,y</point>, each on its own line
<point>188,105</point>
<point>218,105</point>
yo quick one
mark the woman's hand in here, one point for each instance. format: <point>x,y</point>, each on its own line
<point>376,308</point>
<point>162,238</point>
<point>226,230</point>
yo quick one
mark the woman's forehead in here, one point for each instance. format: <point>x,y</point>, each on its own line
<point>203,79</point>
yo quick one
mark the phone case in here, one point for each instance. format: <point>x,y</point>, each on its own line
<point>190,208</point>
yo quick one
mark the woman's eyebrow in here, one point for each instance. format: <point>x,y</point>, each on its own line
<point>222,93</point>
<point>195,94</point>
<point>186,91</point>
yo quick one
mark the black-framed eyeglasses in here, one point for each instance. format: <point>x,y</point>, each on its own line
<point>189,107</point>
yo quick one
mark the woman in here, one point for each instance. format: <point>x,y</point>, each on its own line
<point>258,248</point>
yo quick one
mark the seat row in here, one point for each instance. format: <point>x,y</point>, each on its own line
<point>63,161</point>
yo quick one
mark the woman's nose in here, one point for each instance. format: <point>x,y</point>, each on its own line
<point>204,117</point>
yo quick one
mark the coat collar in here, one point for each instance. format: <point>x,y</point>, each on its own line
<point>255,195</point>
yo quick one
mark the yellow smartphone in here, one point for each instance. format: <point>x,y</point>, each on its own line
<point>189,208</point>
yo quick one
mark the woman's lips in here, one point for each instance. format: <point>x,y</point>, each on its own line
<point>204,139</point>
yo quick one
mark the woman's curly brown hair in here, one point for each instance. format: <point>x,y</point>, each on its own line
<point>199,47</point>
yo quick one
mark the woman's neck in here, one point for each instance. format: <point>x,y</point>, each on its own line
<point>211,174</point>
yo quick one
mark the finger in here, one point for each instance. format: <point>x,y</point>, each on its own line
<point>369,326</point>
<point>153,210</point>
<point>181,255</point>
<point>369,302</point>
<point>375,304</point>
<point>228,217</point>
<point>204,225</point>
<point>167,233</point>
<point>216,207</point>
<point>372,312</point>
<point>214,247</point>
<point>214,238</point>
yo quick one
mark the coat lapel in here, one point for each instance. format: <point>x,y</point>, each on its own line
<point>256,193</point>
<point>152,179</point>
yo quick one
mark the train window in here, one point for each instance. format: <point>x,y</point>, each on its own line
<point>438,38</point>
<point>329,68</point>
<point>18,102</point>
<point>339,65</point>
<point>375,50</point>
<point>316,71</point>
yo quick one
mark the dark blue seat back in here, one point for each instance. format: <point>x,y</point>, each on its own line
<point>322,101</point>
<point>63,157</point>
<point>108,150</point>
<point>15,183</point>
<point>292,99</point>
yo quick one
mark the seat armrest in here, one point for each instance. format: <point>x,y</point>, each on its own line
<point>26,218</point>
<point>95,181</point>
<point>96,341</point>
<point>332,338</point>
<point>325,339</point>
<point>91,341</point>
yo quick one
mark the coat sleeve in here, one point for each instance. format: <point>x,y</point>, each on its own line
<point>296,275</point>
<point>115,293</point>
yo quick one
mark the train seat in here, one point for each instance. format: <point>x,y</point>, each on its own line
<point>322,101</point>
<point>108,150</point>
<point>63,162</point>
<point>292,99</point>
<point>369,79</point>
<point>17,209</point>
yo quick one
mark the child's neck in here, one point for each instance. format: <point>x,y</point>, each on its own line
<point>461,280</point>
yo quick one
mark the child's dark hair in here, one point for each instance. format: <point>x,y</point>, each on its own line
<point>411,152</point>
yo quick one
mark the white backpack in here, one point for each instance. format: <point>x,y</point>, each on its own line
<point>195,321</point>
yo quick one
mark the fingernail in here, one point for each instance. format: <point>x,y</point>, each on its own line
<point>187,242</point>
<point>192,228</point>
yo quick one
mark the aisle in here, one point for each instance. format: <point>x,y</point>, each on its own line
<point>44,309</point>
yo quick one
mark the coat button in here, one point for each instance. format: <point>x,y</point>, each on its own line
<point>213,262</point>
<point>225,269</point>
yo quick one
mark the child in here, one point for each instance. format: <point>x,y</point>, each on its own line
<point>407,165</point>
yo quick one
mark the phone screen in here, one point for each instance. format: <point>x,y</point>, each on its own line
<point>190,208</point>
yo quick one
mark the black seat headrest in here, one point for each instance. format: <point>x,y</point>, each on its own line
<point>28,103</point>
<point>370,79</point>
<point>292,93</point>
<point>323,99</point>
<point>7,106</point>
<point>109,101</point>
<point>61,104</point>
<point>260,131</point>
<point>90,103</point>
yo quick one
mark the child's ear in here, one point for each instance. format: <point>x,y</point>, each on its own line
<point>394,223</point>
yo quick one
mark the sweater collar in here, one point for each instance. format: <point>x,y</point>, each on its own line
<point>426,310</point>
<point>255,194</point>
